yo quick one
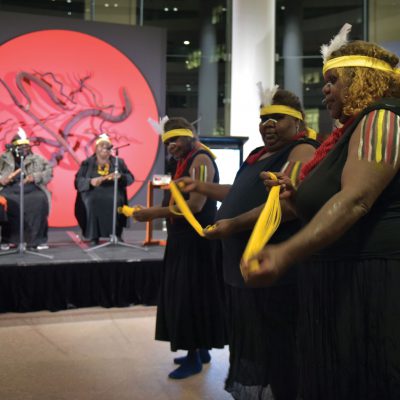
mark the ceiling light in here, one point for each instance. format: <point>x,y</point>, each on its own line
<point>283,8</point>
<point>69,13</point>
<point>69,1</point>
<point>115,4</point>
<point>106,5</point>
<point>186,42</point>
<point>166,9</point>
<point>175,9</point>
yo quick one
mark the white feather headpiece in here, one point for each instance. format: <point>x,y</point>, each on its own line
<point>336,43</point>
<point>22,134</point>
<point>103,137</point>
<point>266,95</point>
<point>158,126</point>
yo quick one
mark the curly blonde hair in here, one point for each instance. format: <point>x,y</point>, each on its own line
<point>363,86</point>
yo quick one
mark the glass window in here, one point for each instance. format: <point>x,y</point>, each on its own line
<point>301,28</point>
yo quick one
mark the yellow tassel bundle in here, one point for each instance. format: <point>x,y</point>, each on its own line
<point>266,225</point>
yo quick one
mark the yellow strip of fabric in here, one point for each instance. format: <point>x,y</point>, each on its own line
<point>208,150</point>
<point>175,133</point>
<point>182,205</point>
<point>265,227</point>
<point>359,61</point>
<point>278,109</point>
<point>311,134</point>
<point>378,151</point>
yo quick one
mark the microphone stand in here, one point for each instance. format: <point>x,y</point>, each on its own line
<point>21,249</point>
<point>114,241</point>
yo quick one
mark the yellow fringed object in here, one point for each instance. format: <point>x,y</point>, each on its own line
<point>127,211</point>
<point>182,205</point>
<point>265,227</point>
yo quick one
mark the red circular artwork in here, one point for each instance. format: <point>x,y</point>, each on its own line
<point>65,88</point>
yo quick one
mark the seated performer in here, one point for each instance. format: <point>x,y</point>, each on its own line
<point>37,173</point>
<point>94,182</point>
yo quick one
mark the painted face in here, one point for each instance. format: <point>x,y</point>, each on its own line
<point>332,91</point>
<point>103,149</point>
<point>277,130</point>
<point>179,146</point>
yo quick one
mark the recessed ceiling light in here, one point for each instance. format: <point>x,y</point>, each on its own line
<point>186,42</point>
<point>106,5</point>
<point>115,4</point>
<point>283,8</point>
<point>175,9</point>
<point>69,13</point>
<point>166,9</point>
<point>69,1</point>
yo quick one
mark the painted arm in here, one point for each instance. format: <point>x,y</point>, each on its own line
<point>362,182</point>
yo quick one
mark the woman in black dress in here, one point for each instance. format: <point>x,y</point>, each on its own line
<point>261,322</point>
<point>349,320</point>
<point>94,183</point>
<point>190,312</point>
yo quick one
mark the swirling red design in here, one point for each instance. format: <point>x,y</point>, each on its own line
<point>64,88</point>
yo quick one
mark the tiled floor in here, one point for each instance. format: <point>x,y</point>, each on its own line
<point>96,354</point>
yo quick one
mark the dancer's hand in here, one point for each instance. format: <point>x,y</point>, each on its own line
<point>287,188</point>
<point>221,229</point>
<point>274,260</point>
<point>187,185</point>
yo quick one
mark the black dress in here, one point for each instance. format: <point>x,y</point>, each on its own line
<point>261,322</point>
<point>94,205</point>
<point>190,312</point>
<point>349,316</point>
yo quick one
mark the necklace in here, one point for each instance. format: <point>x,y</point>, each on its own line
<point>103,169</point>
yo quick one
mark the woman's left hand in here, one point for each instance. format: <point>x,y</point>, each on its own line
<point>221,229</point>
<point>273,261</point>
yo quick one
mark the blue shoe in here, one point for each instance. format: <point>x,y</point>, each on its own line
<point>191,366</point>
<point>205,357</point>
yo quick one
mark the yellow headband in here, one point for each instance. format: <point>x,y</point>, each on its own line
<point>359,61</point>
<point>103,139</point>
<point>175,133</point>
<point>20,142</point>
<point>278,109</point>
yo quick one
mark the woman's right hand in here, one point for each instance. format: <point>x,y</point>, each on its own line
<point>5,181</point>
<point>287,188</point>
<point>273,261</point>
<point>96,181</point>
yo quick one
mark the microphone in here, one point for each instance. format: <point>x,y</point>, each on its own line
<point>119,147</point>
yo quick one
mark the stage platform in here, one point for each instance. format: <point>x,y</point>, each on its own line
<point>112,276</point>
